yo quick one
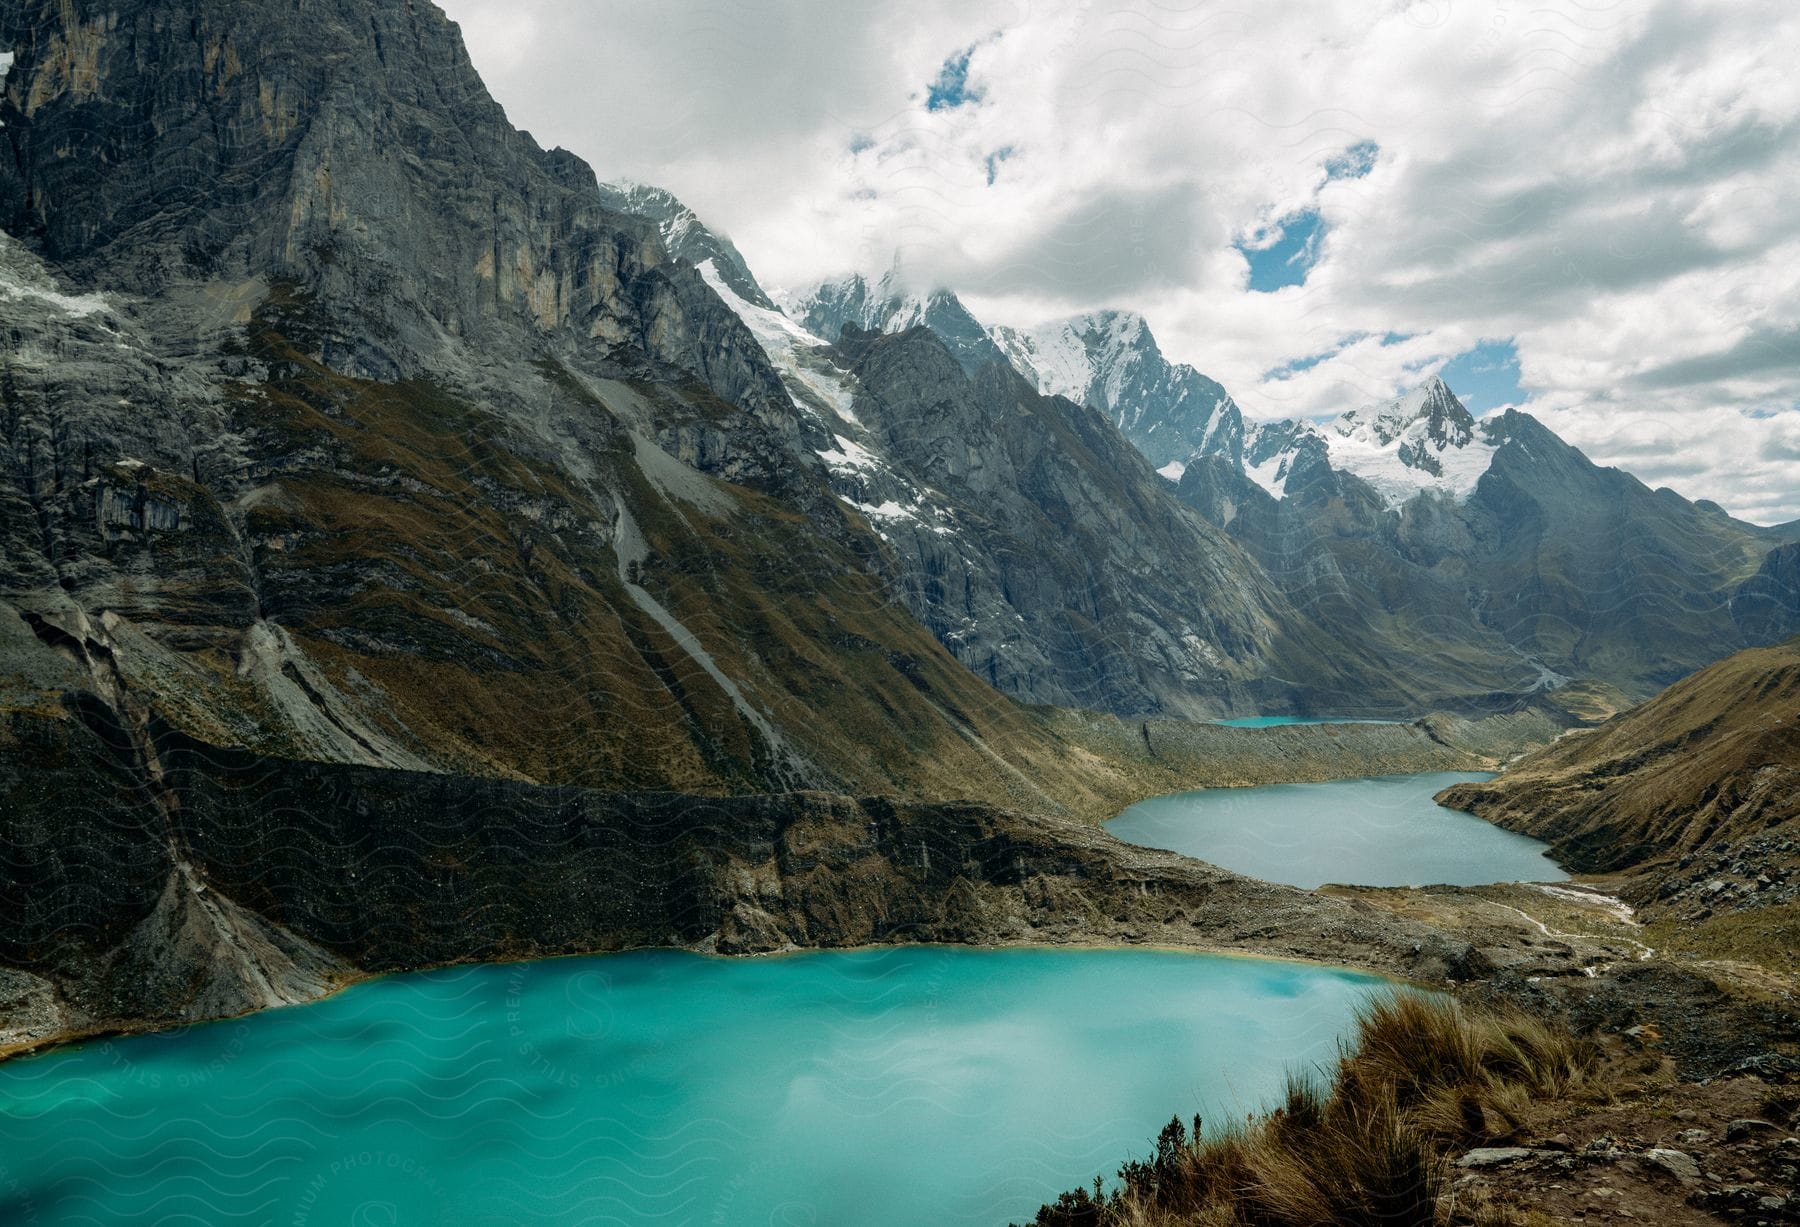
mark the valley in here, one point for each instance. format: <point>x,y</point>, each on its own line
<point>504,714</point>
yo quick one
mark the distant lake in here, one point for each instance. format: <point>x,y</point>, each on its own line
<point>891,1088</point>
<point>1271,722</point>
<point>1385,831</point>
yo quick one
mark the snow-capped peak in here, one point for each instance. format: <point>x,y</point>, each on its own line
<point>892,302</point>
<point>1073,357</point>
<point>1424,440</point>
<point>684,235</point>
<point>1110,361</point>
<point>1430,412</point>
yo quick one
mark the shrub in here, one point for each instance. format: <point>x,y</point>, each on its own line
<point>1422,1075</point>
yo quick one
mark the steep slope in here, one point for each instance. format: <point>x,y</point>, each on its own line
<point>1714,758</point>
<point>891,303</point>
<point>371,435</point>
<point>1336,653</point>
<point>1110,362</point>
<point>685,236</point>
<point>1072,577</point>
<point>1694,797</point>
<point>1436,558</point>
<point>1039,547</point>
<point>1768,603</point>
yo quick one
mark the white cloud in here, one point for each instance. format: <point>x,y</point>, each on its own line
<point>1612,186</point>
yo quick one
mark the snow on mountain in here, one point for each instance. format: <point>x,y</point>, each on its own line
<point>1109,361</point>
<point>1059,357</point>
<point>1424,440</point>
<point>18,280</point>
<point>891,303</point>
<point>813,381</point>
<point>826,395</point>
<point>685,235</point>
<point>1275,452</point>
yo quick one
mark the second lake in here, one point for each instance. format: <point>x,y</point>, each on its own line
<point>1384,831</point>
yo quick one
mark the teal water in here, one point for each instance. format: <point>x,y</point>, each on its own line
<point>1385,831</point>
<point>1271,722</point>
<point>899,1086</point>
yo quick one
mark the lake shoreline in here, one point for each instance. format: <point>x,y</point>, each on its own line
<point>245,917</point>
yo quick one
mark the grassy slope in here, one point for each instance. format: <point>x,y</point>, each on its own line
<point>1423,1080</point>
<point>1716,757</point>
<point>1380,1142</point>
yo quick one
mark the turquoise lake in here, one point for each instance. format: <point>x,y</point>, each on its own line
<point>1385,831</point>
<point>889,1087</point>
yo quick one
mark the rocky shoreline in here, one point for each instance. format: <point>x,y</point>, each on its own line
<point>225,881</point>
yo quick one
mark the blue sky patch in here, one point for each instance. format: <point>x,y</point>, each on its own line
<point>1486,377</point>
<point>993,162</point>
<point>1354,162</point>
<point>1290,257</point>
<point>951,89</point>
<point>1295,365</point>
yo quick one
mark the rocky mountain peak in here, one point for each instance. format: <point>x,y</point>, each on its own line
<point>685,235</point>
<point>1428,413</point>
<point>1110,361</point>
<point>892,302</point>
<point>347,153</point>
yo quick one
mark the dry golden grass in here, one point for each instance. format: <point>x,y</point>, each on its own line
<point>1423,1077</point>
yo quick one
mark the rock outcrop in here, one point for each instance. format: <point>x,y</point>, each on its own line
<point>221,881</point>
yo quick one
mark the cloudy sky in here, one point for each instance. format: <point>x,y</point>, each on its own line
<point>1591,209</point>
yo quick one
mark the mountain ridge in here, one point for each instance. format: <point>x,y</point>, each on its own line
<point>1398,527</point>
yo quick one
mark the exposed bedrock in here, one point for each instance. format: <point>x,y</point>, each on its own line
<point>238,881</point>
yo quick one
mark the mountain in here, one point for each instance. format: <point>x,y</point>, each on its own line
<point>891,303</point>
<point>1444,559</point>
<point>1423,441</point>
<point>403,549</point>
<point>1694,797</point>
<point>1031,538</point>
<point>1493,546</point>
<point>325,443</point>
<point>685,236</point>
<point>1767,604</point>
<point>1109,361</point>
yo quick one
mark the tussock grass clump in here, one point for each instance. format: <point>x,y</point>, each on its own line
<point>1423,1077</point>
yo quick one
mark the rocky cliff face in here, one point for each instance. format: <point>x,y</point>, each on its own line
<point>225,881</point>
<point>353,152</point>
<point>1070,576</point>
<point>1430,557</point>
<point>1034,541</point>
<point>1768,603</point>
<point>342,422</point>
<point>685,236</point>
<point>1110,362</point>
